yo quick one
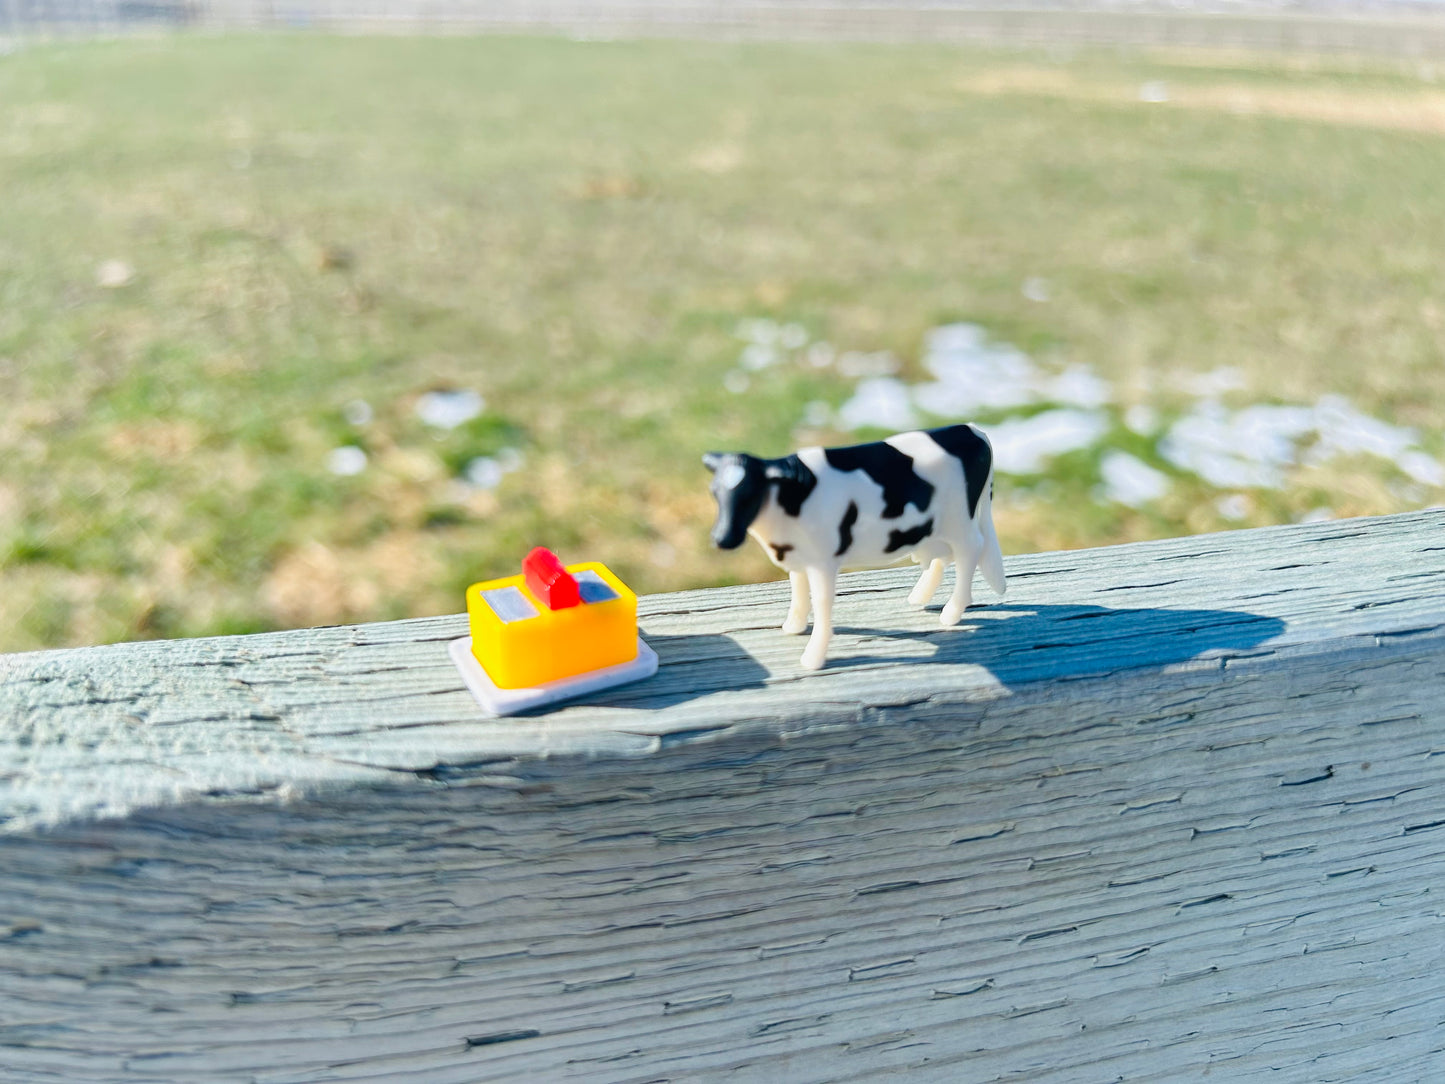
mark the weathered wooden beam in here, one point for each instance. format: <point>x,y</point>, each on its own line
<point>1171,808</point>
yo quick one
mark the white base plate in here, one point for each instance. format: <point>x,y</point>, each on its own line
<point>510,701</point>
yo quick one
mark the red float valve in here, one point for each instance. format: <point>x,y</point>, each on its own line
<point>550,584</point>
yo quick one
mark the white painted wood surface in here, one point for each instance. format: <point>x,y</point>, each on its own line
<point>1175,810</point>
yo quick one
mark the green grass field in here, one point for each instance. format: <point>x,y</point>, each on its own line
<point>212,248</point>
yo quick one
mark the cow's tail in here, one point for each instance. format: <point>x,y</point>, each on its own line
<point>991,561</point>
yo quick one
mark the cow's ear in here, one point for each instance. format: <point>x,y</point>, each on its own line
<point>712,460</point>
<point>782,470</point>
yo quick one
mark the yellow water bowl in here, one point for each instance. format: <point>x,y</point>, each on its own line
<point>521,642</point>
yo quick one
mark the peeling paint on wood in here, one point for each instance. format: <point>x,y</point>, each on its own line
<point>1202,836</point>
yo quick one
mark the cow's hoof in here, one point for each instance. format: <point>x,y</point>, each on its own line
<point>919,598</point>
<point>794,626</point>
<point>813,660</point>
<point>951,615</point>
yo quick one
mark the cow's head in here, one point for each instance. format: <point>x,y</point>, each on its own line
<point>739,485</point>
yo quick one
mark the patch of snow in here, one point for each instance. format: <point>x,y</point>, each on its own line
<point>1022,445</point>
<point>1155,91</point>
<point>820,355</point>
<point>760,331</point>
<point>1344,430</point>
<point>113,274</point>
<point>1142,419</point>
<point>995,379</point>
<point>1247,449</point>
<point>449,409</point>
<point>970,374</point>
<point>793,336</point>
<point>1273,430</point>
<point>955,339</point>
<point>1409,492</point>
<point>1077,386</point>
<point>1036,289</point>
<point>484,472</point>
<point>736,381</point>
<point>882,402</point>
<point>1129,480</point>
<point>346,461</point>
<point>756,356</point>
<point>509,459</point>
<point>1234,507</point>
<point>1424,468</point>
<point>757,330</point>
<point>357,412</point>
<point>1252,447</point>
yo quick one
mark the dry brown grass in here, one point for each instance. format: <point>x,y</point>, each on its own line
<point>1413,110</point>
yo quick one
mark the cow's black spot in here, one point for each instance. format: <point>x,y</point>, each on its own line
<point>794,481</point>
<point>911,537</point>
<point>845,529</point>
<point>780,550</point>
<point>891,469</point>
<point>970,449</point>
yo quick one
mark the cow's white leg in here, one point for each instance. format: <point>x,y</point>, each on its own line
<point>822,582</point>
<point>798,609</point>
<point>964,562</point>
<point>927,585</point>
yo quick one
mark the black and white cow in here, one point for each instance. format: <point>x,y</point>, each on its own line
<point>925,495</point>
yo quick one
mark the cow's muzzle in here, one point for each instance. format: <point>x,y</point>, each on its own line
<point>726,538</point>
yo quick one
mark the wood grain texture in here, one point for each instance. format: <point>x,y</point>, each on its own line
<point>1173,810</point>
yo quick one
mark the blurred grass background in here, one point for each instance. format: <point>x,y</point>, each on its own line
<point>212,249</point>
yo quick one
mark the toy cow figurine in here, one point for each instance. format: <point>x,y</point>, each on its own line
<point>925,495</point>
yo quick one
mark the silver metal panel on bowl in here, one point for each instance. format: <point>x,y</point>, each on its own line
<point>509,604</point>
<point>592,587</point>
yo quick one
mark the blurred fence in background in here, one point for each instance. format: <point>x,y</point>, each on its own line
<point>1385,27</point>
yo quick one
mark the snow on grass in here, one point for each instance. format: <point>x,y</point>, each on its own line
<point>1143,419</point>
<point>1343,430</point>
<point>1233,507</point>
<point>1129,480</point>
<point>1248,448</point>
<point>1254,447</point>
<point>972,375</point>
<point>880,402</point>
<point>768,343</point>
<point>346,461</point>
<point>487,471</point>
<point>114,274</point>
<point>358,412</point>
<point>1024,445</point>
<point>1425,469</point>
<point>1155,91</point>
<point>449,408</point>
<point>1047,412</point>
<point>1078,386</point>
